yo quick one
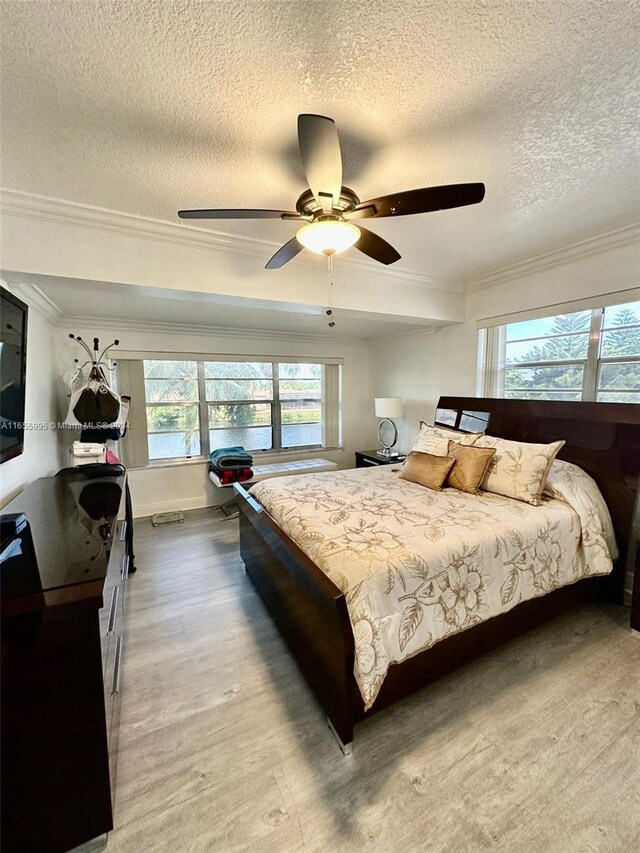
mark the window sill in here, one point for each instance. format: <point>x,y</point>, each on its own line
<point>260,457</point>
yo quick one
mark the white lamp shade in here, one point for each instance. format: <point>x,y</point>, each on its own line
<point>388,407</point>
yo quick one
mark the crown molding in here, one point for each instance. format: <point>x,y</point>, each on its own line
<point>36,207</point>
<point>32,206</point>
<point>110,324</point>
<point>605,242</point>
<point>33,296</point>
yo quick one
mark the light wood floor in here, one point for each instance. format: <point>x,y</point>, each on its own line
<point>222,747</point>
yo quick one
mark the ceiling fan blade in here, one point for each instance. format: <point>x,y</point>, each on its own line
<point>366,212</point>
<point>285,254</point>
<point>238,214</point>
<point>377,248</point>
<point>321,157</point>
<point>423,200</point>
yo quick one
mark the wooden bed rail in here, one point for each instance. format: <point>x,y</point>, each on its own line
<point>308,608</point>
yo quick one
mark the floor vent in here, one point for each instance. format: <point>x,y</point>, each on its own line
<point>167,517</point>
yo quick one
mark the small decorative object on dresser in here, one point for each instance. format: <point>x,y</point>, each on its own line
<point>366,458</point>
<point>387,408</point>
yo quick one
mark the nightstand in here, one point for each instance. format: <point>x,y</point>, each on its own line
<point>367,458</point>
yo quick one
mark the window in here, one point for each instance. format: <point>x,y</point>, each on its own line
<point>587,355</point>
<point>173,410</point>
<point>193,407</point>
<point>240,401</point>
<point>619,363</point>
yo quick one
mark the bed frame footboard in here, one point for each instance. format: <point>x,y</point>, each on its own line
<point>309,610</point>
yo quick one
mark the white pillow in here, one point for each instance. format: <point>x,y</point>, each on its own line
<point>518,469</point>
<point>435,440</point>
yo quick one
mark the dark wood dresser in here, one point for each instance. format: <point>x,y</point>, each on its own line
<point>62,651</point>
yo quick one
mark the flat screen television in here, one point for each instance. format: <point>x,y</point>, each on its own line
<point>13,371</point>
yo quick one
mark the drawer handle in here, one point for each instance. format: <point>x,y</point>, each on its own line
<point>123,530</point>
<point>125,567</point>
<point>117,667</point>
<point>369,462</point>
<point>113,609</point>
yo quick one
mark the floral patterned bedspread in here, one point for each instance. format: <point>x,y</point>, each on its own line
<point>418,565</point>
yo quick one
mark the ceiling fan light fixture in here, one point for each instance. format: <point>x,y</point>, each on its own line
<point>328,236</point>
<point>329,207</point>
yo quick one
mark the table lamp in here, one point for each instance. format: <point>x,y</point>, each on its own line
<point>387,408</point>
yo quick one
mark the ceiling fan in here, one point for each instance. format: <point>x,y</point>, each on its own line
<point>328,207</point>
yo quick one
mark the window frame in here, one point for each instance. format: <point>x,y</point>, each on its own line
<point>275,401</point>
<point>494,346</point>
<point>174,404</point>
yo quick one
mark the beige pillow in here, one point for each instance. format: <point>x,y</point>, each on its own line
<point>426,469</point>
<point>435,440</point>
<point>470,468</point>
<point>518,469</point>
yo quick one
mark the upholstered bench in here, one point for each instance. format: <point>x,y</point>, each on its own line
<point>275,469</point>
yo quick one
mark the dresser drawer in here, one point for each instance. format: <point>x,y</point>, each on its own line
<point>113,677</point>
<point>111,625</point>
<point>113,704</point>
<point>112,639</point>
<point>111,613</point>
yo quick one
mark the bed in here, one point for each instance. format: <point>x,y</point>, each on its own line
<point>380,586</point>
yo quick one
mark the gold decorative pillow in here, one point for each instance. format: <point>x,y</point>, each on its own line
<point>470,467</point>
<point>426,469</point>
<point>518,469</point>
<point>435,440</point>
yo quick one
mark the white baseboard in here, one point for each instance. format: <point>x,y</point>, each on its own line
<point>145,510</point>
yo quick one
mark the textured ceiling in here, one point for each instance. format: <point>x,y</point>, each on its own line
<point>148,107</point>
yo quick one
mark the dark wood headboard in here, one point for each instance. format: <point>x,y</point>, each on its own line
<point>602,438</point>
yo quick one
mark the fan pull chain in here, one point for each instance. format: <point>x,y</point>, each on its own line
<point>329,311</point>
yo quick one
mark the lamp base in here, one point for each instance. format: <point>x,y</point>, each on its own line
<point>385,450</point>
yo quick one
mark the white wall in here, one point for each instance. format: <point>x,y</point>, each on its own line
<point>186,486</point>
<point>41,455</point>
<point>90,244</point>
<point>421,368</point>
